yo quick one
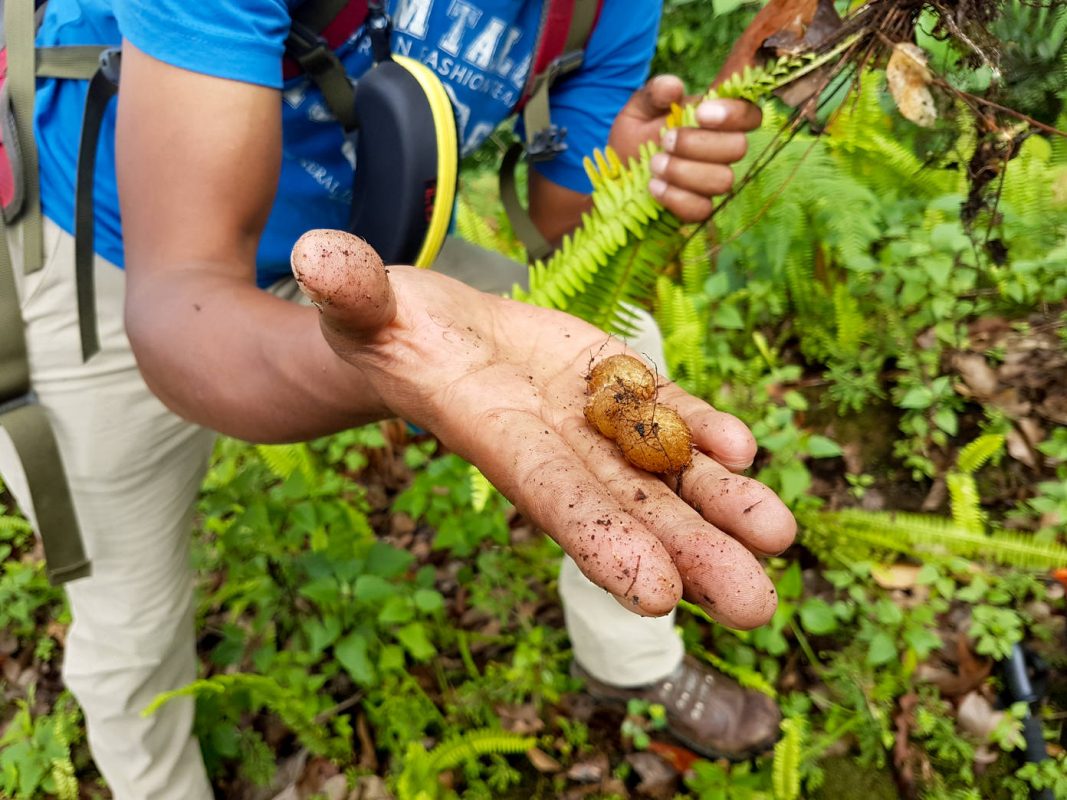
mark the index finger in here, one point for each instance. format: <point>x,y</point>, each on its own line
<point>718,434</point>
<point>728,114</point>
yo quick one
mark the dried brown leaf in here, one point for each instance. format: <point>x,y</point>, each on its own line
<point>909,82</point>
<point>977,716</point>
<point>980,378</point>
<point>542,761</point>
<point>895,576</point>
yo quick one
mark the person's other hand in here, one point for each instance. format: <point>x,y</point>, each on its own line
<point>502,383</point>
<point>695,163</point>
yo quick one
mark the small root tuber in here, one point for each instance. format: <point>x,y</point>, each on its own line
<point>623,406</point>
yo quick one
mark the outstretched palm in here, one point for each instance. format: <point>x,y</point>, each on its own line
<point>501,383</point>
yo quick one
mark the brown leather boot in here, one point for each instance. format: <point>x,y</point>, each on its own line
<point>707,711</point>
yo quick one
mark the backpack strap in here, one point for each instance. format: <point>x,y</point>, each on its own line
<point>21,416</point>
<point>309,44</point>
<point>565,29</point>
<point>20,26</point>
<point>31,433</point>
<point>103,85</point>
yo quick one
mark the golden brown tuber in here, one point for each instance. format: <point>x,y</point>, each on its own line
<point>623,406</point>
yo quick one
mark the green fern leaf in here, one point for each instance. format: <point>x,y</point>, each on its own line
<point>474,744</point>
<point>833,533</point>
<point>785,771</point>
<point>472,227</point>
<point>964,501</point>
<point>974,456</point>
<point>297,712</point>
<point>610,263</point>
<point>849,321</point>
<point>284,460</point>
<point>481,489</point>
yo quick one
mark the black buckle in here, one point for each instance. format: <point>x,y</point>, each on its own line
<point>546,144</point>
<point>111,64</point>
<point>380,29</point>
<point>15,403</point>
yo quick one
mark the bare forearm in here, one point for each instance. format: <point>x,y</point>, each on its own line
<point>222,353</point>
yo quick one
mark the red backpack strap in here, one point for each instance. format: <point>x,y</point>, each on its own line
<point>566,26</point>
<point>333,20</point>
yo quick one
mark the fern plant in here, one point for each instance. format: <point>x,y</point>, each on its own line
<point>785,769</point>
<point>263,691</point>
<point>418,780</point>
<point>840,534</point>
<point>285,460</point>
<point>610,263</point>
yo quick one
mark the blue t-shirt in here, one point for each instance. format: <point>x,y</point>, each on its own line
<point>481,50</point>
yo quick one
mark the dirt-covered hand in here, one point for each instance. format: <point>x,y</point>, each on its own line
<point>695,163</point>
<point>503,384</point>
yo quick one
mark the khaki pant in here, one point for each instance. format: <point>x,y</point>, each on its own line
<point>135,470</point>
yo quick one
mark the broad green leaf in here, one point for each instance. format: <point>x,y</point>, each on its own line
<point>414,638</point>
<point>917,397</point>
<point>881,649</point>
<point>823,447</point>
<point>391,659</point>
<point>720,7</point>
<point>428,600</point>
<point>817,616</point>
<point>322,633</point>
<point>791,583</point>
<point>352,653</point>
<point>388,561</point>
<point>922,640</point>
<point>373,589</point>
<point>397,609</point>
<point>324,592</point>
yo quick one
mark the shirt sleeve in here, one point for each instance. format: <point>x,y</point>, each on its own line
<point>241,40</point>
<point>586,103</point>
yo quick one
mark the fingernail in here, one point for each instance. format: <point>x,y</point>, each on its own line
<point>669,140</point>
<point>711,113</point>
<point>657,187</point>
<point>658,163</point>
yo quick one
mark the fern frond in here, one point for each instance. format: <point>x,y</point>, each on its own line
<point>684,331</point>
<point>964,501</point>
<point>263,691</point>
<point>472,227</point>
<point>974,456</point>
<point>612,260</point>
<point>849,321</point>
<point>418,780</point>
<point>63,778</point>
<point>284,460</point>
<point>746,676</point>
<point>477,743</point>
<point>696,262</point>
<point>920,535</point>
<point>481,489</point>
<point>785,771</point>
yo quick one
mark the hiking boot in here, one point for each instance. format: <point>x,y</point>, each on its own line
<point>707,711</point>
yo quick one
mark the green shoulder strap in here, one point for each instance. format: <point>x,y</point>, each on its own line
<point>21,416</point>
<point>543,139</point>
<point>31,432</point>
<point>20,28</point>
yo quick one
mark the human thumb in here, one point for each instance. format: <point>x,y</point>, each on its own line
<point>345,278</point>
<point>656,97</point>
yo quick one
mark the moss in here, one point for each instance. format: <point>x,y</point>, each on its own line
<point>845,778</point>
